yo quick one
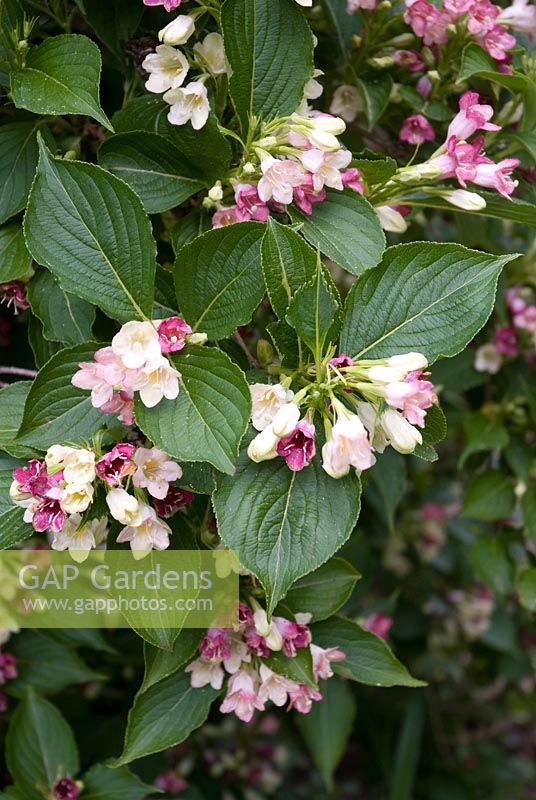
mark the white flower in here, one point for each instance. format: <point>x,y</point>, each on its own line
<point>76,497</point>
<point>348,446</point>
<point>279,178</point>
<point>178,31</point>
<point>368,414</point>
<point>79,541</point>
<point>205,673</point>
<point>79,466</point>
<point>167,68</point>
<point>391,219</point>
<point>346,102</point>
<point>264,446</point>
<point>403,436</point>
<point>305,3</point>
<point>22,499</point>
<point>151,532</point>
<point>124,507</point>
<point>266,400</point>
<point>470,201</point>
<point>408,362</point>
<point>155,470</point>
<point>381,374</point>
<point>488,359</point>
<point>286,419</point>
<point>326,167</point>
<point>157,380</point>
<point>313,89</point>
<point>55,457</point>
<point>211,53</point>
<point>188,104</point>
<point>136,344</point>
<point>274,687</point>
<point>519,16</point>
<point>267,630</point>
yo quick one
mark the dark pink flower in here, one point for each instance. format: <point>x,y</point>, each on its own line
<point>305,196</point>
<point>48,514</point>
<point>116,464</point>
<point>409,59</point>
<point>497,41</point>
<point>170,781</point>
<point>172,334</point>
<point>215,644</point>
<point>8,667</point>
<point>175,500</point>
<point>461,160</point>
<point>256,643</point>
<point>14,294</point>
<point>342,360</point>
<point>245,615</point>
<point>33,479</point>
<point>506,340</point>
<point>169,5</point>
<point>298,447</point>
<point>295,635</point>
<point>482,16</point>
<point>226,215</point>
<point>471,117</point>
<point>379,624</point>
<point>249,205</point>
<point>416,130</point>
<point>435,512</point>
<point>66,789</point>
<point>351,178</point>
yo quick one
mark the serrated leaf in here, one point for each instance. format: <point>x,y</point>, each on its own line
<point>42,349</point>
<point>368,658</point>
<point>208,419</point>
<point>13,529</point>
<point>12,400</point>
<point>496,207</point>
<point>153,167</point>
<point>15,260</point>
<point>526,587</point>
<point>271,516</point>
<point>218,278</point>
<point>61,76</point>
<point>346,228</point>
<point>324,591</point>
<point>424,297</point>
<point>39,746</point>
<point>481,433</point>
<point>56,411</point>
<point>114,23</point>
<point>18,160</point>
<point>489,496</point>
<point>91,231</point>
<point>312,311</point>
<point>102,783</point>
<point>298,668</point>
<point>65,317</point>
<point>489,557</point>
<point>375,95</point>
<point>164,716</point>
<point>287,263</point>
<point>270,49</point>
<point>160,664</point>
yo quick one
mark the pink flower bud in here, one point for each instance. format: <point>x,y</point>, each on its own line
<point>172,334</point>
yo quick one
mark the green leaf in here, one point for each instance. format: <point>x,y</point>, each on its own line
<point>377,170</point>
<point>287,263</point>
<point>312,312</point>
<point>40,746</point>
<point>324,591</point>
<point>15,260</point>
<point>272,517</point>
<point>218,278</point>
<point>114,23</point>
<point>208,419</point>
<point>299,668</point>
<point>526,587</point>
<point>424,297</point>
<point>346,228</point>
<point>65,317</point>
<point>55,410</point>
<point>496,207</point>
<point>389,482</point>
<point>61,76</point>
<point>18,160</point>
<point>489,496</point>
<point>375,95</point>
<point>102,783</point>
<point>12,400</point>
<point>408,749</point>
<point>527,141</point>
<point>269,47</point>
<point>327,727</point>
<point>160,664</point>
<point>91,231</point>
<point>161,638</point>
<point>164,716</point>
<point>13,529</point>
<point>481,433</point>
<point>152,166</point>
<point>528,504</point>
<point>343,24</point>
<point>188,228</point>
<point>489,557</point>
<point>368,658</point>
<point>42,349</point>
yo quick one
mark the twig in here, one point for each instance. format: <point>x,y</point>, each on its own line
<point>253,363</point>
<point>25,373</point>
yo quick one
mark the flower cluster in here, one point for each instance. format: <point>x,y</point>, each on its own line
<point>136,361</point>
<point>13,294</point>
<point>383,402</point>
<point>58,492</point>
<point>241,654</point>
<point>518,335</point>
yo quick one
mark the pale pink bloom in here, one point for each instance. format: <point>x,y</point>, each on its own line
<point>366,5</point>
<point>298,447</point>
<point>427,22</point>
<point>239,653</point>
<point>279,177</point>
<point>352,179</point>
<point>169,781</point>
<point>521,16</point>
<point>169,5</point>
<point>497,176</point>
<point>241,698</point>
<point>303,697</point>
<point>155,471</point>
<point>172,333</point>
<point>158,379</point>
<point>249,205</point>
<point>346,102</point>
<point>461,160</point>
<point>488,359</point>
<point>275,687</point>
<point>506,340</point>
<point>305,195</point>
<point>188,104</point>
<point>379,624</point>
<point>416,130</point>
<point>167,68</point>
<point>471,117</point>
<point>412,396</point>
<point>205,673</point>
<point>497,42</point>
<point>225,215</point>
<point>482,17</point>
<point>101,376</point>
<point>409,59</point>
<point>400,434</point>
<point>175,500</point>
<point>515,303</point>
<point>116,464</point>
<point>122,404</point>
<point>294,635</point>
<point>458,7</point>
<point>347,446</point>
<point>150,533</point>
<point>326,167</point>
<point>526,319</point>
<point>80,540</point>
<point>322,660</point>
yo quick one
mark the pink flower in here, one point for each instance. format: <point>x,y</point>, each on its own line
<point>366,5</point>
<point>351,178</point>
<point>205,673</point>
<point>326,167</point>
<point>471,117</point>
<point>172,334</point>
<point>121,404</point>
<point>175,500</point>
<point>34,478</point>
<point>342,360</point>
<point>424,86</point>
<point>303,697</point>
<point>482,17</point>
<point>215,644</point>
<point>506,340</point>
<point>378,624</point>
<point>298,447</point>
<point>515,303</point>
<point>461,160</point>
<point>305,195</point>
<point>322,659</point>
<point>458,7</point>
<point>412,396</point>
<point>519,16</point>
<point>102,375</point>
<point>427,22</point>
<point>409,59</point>
<point>155,471</point>
<point>47,514</point>
<point>241,698</point>
<point>169,781</point>
<point>256,643</point>
<point>497,176</point>
<point>497,41</point>
<point>435,512</point>
<point>226,215</point>
<point>347,446</point>
<point>249,205</point>
<point>66,789</point>
<point>116,464</point>
<point>416,130</point>
<point>169,5</point>
<point>294,634</point>
<point>279,178</point>
<point>275,687</point>
<point>8,667</point>
<point>14,294</point>
<point>526,319</point>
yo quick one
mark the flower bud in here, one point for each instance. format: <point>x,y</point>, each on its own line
<point>216,192</point>
<point>381,62</point>
<point>402,436</point>
<point>408,362</point>
<point>381,374</point>
<point>264,446</point>
<point>285,419</point>
<point>265,352</point>
<point>124,507</point>
<point>249,168</point>
<point>329,124</point>
<point>197,338</point>
<point>469,201</point>
<point>178,31</point>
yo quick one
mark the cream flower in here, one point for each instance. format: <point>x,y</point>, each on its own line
<point>155,471</point>
<point>151,532</point>
<point>403,436</point>
<point>123,506</point>
<point>167,68</point>
<point>188,104</point>
<point>211,53</point>
<point>267,400</point>
<point>178,31</point>
<point>79,541</point>
<point>76,497</point>
<point>136,344</point>
<point>79,466</point>
<point>157,380</point>
<point>346,102</point>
